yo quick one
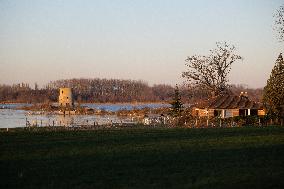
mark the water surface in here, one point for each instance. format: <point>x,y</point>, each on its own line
<point>11,117</point>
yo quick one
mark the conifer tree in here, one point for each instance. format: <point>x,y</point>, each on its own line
<point>273,97</point>
<point>177,106</point>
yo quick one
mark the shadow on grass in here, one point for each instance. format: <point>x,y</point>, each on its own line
<point>236,158</point>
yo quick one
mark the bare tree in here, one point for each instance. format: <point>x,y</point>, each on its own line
<point>279,23</point>
<point>211,72</point>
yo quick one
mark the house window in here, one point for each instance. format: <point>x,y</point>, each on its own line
<point>217,113</point>
<point>243,112</point>
<point>62,91</point>
<point>228,113</point>
<point>253,112</point>
<point>197,112</point>
<point>67,97</point>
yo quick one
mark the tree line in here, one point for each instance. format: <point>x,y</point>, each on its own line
<point>88,90</point>
<point>109,91</point>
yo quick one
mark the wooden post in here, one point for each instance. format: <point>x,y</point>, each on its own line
<point>220,123</point>
<point>222,113</point>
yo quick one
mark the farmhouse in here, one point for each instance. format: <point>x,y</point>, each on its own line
<point>65,98</point>
<point>225,106</point>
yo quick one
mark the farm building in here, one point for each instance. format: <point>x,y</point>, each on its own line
<point>65,98</point>
<point>225,106</point>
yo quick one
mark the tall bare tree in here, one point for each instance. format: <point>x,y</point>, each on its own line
<point>211,72</point>
<point>279,23</point>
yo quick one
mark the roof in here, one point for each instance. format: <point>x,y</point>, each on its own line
<point>229,102</point>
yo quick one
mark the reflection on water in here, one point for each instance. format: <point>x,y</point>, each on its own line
<point>10,117</point>
<point>75,120</point>
<point>12,106</point>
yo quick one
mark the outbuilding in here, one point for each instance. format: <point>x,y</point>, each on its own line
<point>225,106</point>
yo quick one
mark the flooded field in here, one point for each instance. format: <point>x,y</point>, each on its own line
<point>116,107</point>
<point>10,117</point>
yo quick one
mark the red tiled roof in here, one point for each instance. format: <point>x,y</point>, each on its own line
<point>229,102</point>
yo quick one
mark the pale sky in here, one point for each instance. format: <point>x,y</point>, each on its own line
<point>44,40</point>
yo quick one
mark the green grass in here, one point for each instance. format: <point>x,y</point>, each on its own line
<point>143,158</point>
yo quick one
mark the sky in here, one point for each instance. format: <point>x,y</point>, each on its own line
<point>149,40</point>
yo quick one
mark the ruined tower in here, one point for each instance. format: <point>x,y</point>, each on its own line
<point>65,97</point>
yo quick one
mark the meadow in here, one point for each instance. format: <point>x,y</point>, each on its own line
<point>247,157</point>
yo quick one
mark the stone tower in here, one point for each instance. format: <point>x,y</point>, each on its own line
<point>65,97</point>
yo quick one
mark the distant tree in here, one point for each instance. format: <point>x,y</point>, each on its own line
<point>254,94</point>
<point>88,90</point>
<point>279,23</point>
<point>36,86</point>
<point>162,91</point>
<point>273,97</point>
<point>177,106</point>
<point>211,72</point>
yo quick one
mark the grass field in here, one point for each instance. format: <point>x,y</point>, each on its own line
<point>143,158</point>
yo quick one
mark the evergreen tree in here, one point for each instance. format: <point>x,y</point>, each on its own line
<point>273,97</point>
<point>177,106</point>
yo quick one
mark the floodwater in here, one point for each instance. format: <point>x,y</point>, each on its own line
<point>116,107</point>
<point>10,117</point>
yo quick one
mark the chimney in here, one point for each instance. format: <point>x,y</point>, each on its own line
<point>244,94</point>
